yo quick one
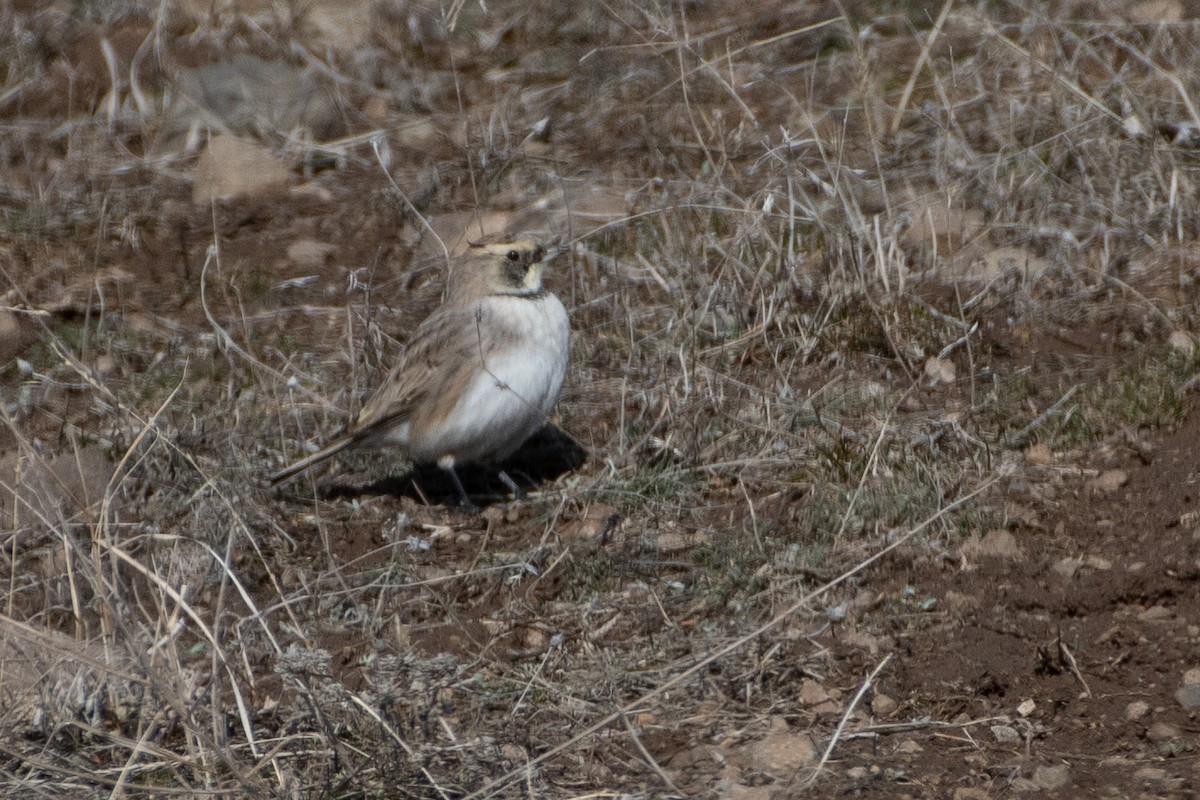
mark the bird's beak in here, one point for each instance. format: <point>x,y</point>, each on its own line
<point>553,251</point>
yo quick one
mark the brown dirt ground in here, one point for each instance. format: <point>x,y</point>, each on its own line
<point>1086,608</point>
<point>1091,608</point>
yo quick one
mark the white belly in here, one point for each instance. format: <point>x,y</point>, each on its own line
<point>513,393</point>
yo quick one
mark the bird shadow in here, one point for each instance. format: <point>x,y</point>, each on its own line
<point>547,454</point>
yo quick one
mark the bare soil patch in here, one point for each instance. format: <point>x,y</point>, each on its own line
<point>1087,615</point>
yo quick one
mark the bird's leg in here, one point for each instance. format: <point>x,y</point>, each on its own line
<point>466,504</point>
<point>518,492</point>
<point>447,463</point>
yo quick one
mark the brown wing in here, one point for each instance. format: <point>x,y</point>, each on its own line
<point>439,362</point>
<point>437,365</point>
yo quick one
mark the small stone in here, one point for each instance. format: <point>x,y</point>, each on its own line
<point>1067,567</point>
<point>672,542</point>
<point>596,521</point>
<point>416,132</point>
<point>1155,614</point>
<point>311,190</point>
<point>1005,734</point>
<point>994,544</point>
<point>940,370</point>
<point>230,167</point>
<point>1192,677</point>
<point>514,753</point>
<point>866,641</point>
<point>909,747</point>
<point>8,324</point>
<point>883,706</point>
<point>104,364</point>
<point>1027,515</point>
<point>1026,708</point>
<point>957,601</point>
<point>46,488</point>
<point>1150,776</point>
<point>1039,455</point>
<point>310,254</point>
<point>857,773</point>
<point>783,750</point>
<point>1182,341</point>
<point>1109,481</point>
<point>1098,563</point>
<point>535,639</point>
<point>1051,778</point>
<point>1188,696</point>
<point>812,693</point>
<point>247,96</point>
<point>11,343</point>
<point>375,108</point>
<point>968,793</point>
<point>1136,710</point>
<point>1163,732</point>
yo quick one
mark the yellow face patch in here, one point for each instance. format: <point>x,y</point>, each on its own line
<point>533,277</point>
<point>518,265</point>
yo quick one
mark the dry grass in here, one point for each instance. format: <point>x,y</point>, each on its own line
<point>800,211</point>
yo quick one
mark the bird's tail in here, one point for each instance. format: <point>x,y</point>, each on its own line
<point>328,451</point>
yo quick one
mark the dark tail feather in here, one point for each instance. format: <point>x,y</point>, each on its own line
<point>328,451</point>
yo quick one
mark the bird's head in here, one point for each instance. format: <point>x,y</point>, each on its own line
<point>508,266</point>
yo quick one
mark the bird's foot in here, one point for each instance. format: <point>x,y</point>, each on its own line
<point>519,494</point>
<point>466,507</point>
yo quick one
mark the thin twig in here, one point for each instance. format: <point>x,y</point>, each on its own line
<point>1069,659</point>
<point>365,706</point>
<point>1023,434</point>
<point>934,33</point>
<point>837,734</point>
<point>919,724</point>
<point>649,758</point>
<point>1069,85</point>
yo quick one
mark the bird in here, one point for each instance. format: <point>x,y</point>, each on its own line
<point>481,373</point>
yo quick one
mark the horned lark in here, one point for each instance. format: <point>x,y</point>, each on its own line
<point>480,374</point>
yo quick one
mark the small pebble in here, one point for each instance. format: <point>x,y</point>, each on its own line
<point>1136,710</point>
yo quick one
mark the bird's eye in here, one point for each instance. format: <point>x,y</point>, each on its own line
<point>513,255</point>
